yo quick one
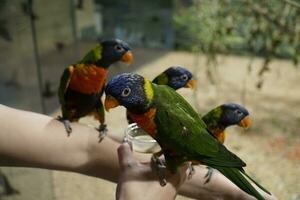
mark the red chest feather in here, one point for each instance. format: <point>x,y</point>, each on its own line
<point>88,79</point>
<point>146,121</point>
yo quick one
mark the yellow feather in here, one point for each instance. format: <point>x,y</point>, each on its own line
<point>148,90</point>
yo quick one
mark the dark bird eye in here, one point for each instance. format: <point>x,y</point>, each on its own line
<point>184,77</point>
<point>238,112</point>
<point>126,92</point>
<point>118,48</point>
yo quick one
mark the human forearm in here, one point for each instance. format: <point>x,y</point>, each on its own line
<point>33,140</point>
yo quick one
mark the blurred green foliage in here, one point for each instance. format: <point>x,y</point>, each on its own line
<point>264,28</point>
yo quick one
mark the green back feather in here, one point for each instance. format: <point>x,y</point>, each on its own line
<point>92,56</point>
<point>213,117</point>
<point>161,79</point>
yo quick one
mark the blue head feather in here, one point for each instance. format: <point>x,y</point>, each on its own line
<point>232,114</point>
<point>112,51</point>
<point>118,87</point>
<point>178,77</point>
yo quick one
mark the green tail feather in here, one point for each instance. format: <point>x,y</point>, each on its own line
<point>261,187</point>
<point>236,176</point>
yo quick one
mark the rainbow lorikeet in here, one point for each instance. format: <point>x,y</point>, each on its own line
<point>175,77</point>
<point>176,126</point>
<point>225,115</point>
<point>82,84</point>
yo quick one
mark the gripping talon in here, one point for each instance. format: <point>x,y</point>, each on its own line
<point>191,171</point>
<point>102,131</point>
<point>67,124</point>
<point>209,174</point>
<point>160,168</point>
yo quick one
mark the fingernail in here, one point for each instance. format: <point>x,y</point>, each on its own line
<point>125,140</point>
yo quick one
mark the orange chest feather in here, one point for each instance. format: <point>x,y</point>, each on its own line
<point>88,79</point>
<point>146,121</point>
<point>219,134</point>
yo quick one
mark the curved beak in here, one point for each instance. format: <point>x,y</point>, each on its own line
<point>127,57</point>
<point>191,84</point>
<point>246,122</point>
<point>110,102</point>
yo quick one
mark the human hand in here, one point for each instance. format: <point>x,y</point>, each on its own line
<point>138,181</point>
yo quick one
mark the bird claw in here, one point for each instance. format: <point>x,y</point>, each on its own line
<point>158,166</point>
<point>191,171</point>
<point>102,131</point>
<point>67,124</point>
<point>208,175</point>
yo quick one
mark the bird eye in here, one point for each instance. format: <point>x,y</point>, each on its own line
<point>184,77</point>
<point>118,48</point>
<point>238,112</point>
<point>126,92</point>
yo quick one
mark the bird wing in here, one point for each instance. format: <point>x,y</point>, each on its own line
<point>64,83</point>
<point>181,129</point>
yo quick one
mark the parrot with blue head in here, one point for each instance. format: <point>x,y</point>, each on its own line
<point>176,126</point>
<point>82,84</point>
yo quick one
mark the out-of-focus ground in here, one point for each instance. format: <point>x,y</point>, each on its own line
<point>271,148</point>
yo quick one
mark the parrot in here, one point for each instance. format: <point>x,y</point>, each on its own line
<point>168,118</point>
<point>175,77</point>
<point>82,84</point>
<point>225,115</point>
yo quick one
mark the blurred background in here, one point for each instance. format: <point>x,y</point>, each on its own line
<point>244,51</point>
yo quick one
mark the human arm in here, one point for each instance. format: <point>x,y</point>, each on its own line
<point>34,140</point>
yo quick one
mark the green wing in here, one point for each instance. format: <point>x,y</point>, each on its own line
<point>194,141</point>
<point>161,79</point>
<point>64,83</point>
<point>92,56</point>
<point>181,129</point>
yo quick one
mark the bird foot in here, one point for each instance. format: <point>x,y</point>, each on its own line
<point>209,174</point>
<point>159,166</point>
<point>191,170</point>
<point>66,123</point>
<point>102,131</point>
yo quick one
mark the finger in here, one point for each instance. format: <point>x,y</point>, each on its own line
<point>125,155</point>
<point>126,140</point>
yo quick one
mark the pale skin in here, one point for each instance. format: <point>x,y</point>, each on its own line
<point>29,139</point>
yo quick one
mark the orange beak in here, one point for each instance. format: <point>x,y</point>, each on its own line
<point>110,102</point>
<point>191,84</point>
<point>246,122</point>
<point>127,57</point>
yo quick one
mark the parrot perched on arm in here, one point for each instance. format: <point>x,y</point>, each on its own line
<point>175,77</point>
<point>82,84</point>
<point>176,126</point>
<point>225,115</point>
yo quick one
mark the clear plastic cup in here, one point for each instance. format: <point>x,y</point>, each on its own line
<point>141,141</point>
